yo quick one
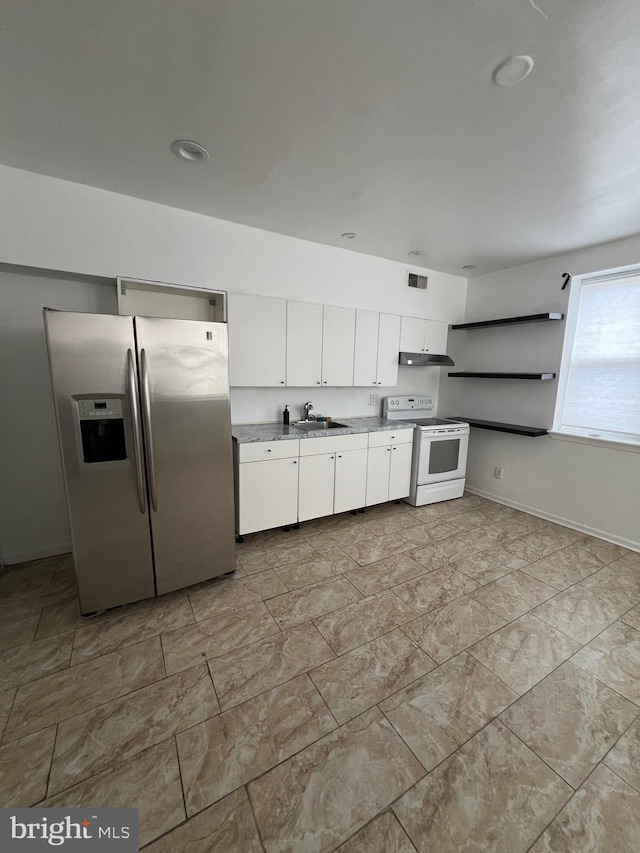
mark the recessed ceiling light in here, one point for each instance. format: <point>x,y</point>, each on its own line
<point>190,151</point>
<point>513,70</point>
<point>469,267</point>
<point>414,253</point>
<point>348,235</point>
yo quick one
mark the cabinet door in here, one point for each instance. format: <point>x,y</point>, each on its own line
<point>412,334</point>
<point>378,461</point>
<point>315,494</point>
<point>338,339</point>
<point>436,336</point>
<point>366,348</point>
<point>351,480</point>
<point>304,344</point>
<point>400,471</point>
<point>388,349</point>
<point>267,494</point>
<point>257,340</point>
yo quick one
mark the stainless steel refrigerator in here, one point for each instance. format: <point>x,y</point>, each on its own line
<point>142,407</point>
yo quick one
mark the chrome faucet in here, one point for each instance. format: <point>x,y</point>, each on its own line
<point>306,412</point>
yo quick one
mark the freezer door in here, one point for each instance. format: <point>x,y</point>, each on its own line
<point>185,407</point>
<point>93,372</point>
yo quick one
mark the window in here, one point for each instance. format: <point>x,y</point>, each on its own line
<point>599,387</point>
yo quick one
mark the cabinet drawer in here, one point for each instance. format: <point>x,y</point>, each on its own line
<point>384,438</point>
<point>332,444</point>
<point>261,451</point>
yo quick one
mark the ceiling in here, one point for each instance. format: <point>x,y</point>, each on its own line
<point>378,117</point>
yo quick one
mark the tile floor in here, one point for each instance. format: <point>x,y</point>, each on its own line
<point>454,677</point>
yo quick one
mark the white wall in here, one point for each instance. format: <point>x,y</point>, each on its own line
<point>57,225</point>
<point>587,486</point>
<point>33,514</point>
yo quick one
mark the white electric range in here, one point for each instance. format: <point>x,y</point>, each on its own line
<point>440,449</point>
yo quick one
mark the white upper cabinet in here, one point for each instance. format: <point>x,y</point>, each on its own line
<point>418,335</point>
<point>365,368</point>
<point>304,343</point>
<point>388,349</point>
<point>376,350</point>
<point>338,340</point>
<point>257,340</point>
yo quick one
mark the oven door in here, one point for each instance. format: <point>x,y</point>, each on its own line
<point>441,457</point>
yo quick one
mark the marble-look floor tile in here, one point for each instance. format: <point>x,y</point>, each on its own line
<point>438,713</point>
<point>6,701</point>
<point>127,627</point>
<point>365,620</point>
<point>574,563</point>
<point>534,546</point>
<point>228,594</point>
<point>425,534</point>
<point>570,720</point>
<point>579,613</point>
<point>390,524</point>
<point>630,559</point>
<point>376,577</point>
<point>442,553</point>
<point>107,735</point>
<point>260,561</point>
<point>492,794</point>
<point>149,782</point>
<point>444,632</point>
<point>359,679</point>
<point>24,768</point>
<point>523,652</point>
<point>383,835</point>
<point>257,668</point>
<point>27,577</point>
<point>225,752</point>
<point>614,658</point>
<point>383,510</point>
<point>624,758</point>
<point>348,533</point>
<point>377,549</point>
<point>486,566</point>
<point>41,595</point>
<point>311,601</point>
<point>602,817</point>
<point>216,636</point>
<point>64,694</point>
<point>61,618</point>
<point>465,521</point>
<point>327,565</point>
<point>489,536</point>
<point>433,513</point>
<point>324,794</point>
<point>513,594</point>
<point>617,582</point>
<point>227,827</point>
<point>632,618</point>
<point>434,589</point>
<point>17,625</point>
<point>21,664</point>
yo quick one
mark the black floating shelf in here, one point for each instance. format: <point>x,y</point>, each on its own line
<point>476,375</point>
<point>510,321</point>
<point>516,429</point>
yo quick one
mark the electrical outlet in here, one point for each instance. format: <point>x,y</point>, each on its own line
<point>498,472</point>
<point>374,399</point>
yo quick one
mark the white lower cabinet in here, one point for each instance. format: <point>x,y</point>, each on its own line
<point>335,481</point>
<point>389,465</point>
<point>267,485</point>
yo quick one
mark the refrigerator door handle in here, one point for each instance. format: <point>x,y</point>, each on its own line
<point>137,446</point>
<point>146,415</point>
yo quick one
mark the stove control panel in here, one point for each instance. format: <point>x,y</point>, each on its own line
<point>408,403</point>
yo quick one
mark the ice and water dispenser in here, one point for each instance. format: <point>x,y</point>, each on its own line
<point>102,430</point>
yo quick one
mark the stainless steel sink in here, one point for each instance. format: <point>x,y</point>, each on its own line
<point>313,426</point>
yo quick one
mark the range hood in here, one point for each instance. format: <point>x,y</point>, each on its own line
<point>425,359</point>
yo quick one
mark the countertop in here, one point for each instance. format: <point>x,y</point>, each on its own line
<point>243,433</point>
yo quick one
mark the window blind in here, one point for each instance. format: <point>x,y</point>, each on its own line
<point>603,380</point>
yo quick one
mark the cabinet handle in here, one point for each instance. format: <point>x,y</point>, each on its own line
<point>333,457</point>
<point>374,382</point>
<point>295,461</point>
<point>318,382</point>
<point>379,383</point>
<point>340,457</point>
<point>325,382</point>
<point>388,450</point>
<point>394,448</point>
<point>282,382</point>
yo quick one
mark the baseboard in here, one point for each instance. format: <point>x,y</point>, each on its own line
<point>558,519</point>
<point>27,556</point>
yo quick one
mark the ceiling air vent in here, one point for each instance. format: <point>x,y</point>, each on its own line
<point>417,281</point>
